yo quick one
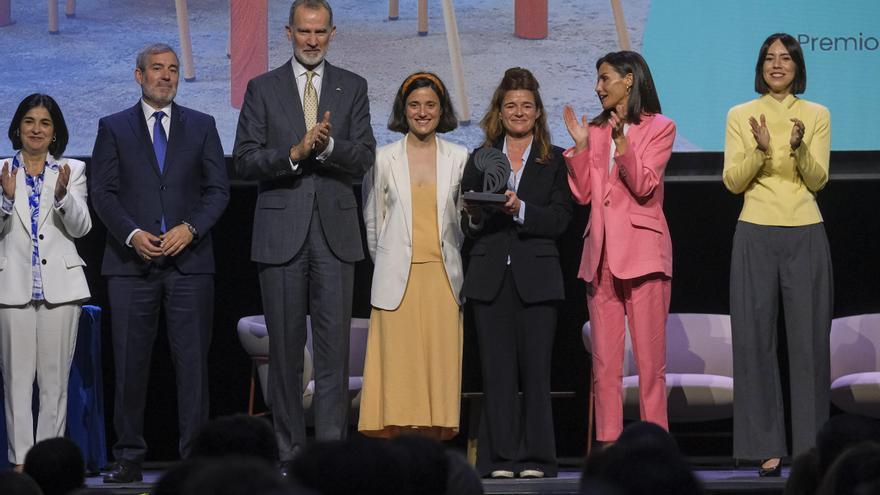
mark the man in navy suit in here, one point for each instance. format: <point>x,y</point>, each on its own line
<point>158,182</point>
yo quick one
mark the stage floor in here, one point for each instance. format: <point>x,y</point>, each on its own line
<point>720,481</point>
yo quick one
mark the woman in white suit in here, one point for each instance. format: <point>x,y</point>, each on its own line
<point>412,373</point>
<point>42,283</point>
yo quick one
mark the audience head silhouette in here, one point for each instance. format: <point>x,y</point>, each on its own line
<point>57,465</point>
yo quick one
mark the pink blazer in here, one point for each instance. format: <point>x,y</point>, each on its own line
<point>627,204</point>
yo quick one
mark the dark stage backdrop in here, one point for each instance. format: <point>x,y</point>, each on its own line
<point>701,215</point>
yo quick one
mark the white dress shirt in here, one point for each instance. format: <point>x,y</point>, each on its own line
<point>614,149</point>
<point>299,74</point>
<point>515,177</point>
<point>151,121</point>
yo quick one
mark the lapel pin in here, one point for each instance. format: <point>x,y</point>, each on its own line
<point>338,89</point>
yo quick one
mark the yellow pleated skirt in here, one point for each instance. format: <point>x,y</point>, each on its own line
<point>412,371</point>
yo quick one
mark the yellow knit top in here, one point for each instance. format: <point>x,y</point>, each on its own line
<point>780,185</point>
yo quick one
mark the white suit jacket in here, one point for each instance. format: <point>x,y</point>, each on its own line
<point>388,219</point>
<point>62,268</point>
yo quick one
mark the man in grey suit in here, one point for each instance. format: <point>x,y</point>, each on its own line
<point>304,133</point>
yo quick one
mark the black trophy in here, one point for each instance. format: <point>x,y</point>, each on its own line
<point>490,165</point>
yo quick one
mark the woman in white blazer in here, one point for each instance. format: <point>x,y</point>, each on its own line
<point>412,372</point>
<point>42,283</point>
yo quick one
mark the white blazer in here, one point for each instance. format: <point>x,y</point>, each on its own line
<point>388,219</point>
<point>61,267</point>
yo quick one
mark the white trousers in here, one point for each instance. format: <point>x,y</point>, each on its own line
<point>36,341</point>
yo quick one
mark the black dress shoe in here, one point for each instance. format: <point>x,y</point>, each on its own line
<point>124,472</point>
<point>771,472</point>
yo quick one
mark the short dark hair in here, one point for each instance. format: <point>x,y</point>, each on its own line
<point>152,49</point>
<point>517,78</point>
<point>57,465</point>
<point>172,481</point>
<point>236,435</point>
<point>370,465</point>
<point>12,483</point>
<point>310,4</point>
<point>644,434</point>
<point>448,120</point>
<point>234,476</point>
<point>643,94</point>
<point>59,144</point>
<point>799,85</point>
<point>640,467</point>
<point>424,464</point>
<point>855,471</point>
<point>841,432</point>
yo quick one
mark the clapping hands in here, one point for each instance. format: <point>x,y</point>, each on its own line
<point>617,129</point>
<point>61,183</point>
<point>7,178</point>
<point>578,130</point>
<point>797,133</point>
<point>315,140</point>
<point>761,133</point>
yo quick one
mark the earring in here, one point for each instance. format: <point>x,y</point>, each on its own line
<point>17,132</point>
<point>54,138</point>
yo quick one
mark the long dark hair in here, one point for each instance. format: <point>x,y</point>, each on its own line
<point>642,96</point>
<point>59,143</point>
<point>517,78</point>
<point>799,85</point>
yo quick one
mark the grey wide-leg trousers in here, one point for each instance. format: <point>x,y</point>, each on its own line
<point>795,262</point>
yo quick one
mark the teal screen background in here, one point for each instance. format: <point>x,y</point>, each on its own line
<point>702,55</point>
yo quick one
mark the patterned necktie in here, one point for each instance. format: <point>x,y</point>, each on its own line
<point>310,102</point>
<point>160,139</point>
<point>160,144</point>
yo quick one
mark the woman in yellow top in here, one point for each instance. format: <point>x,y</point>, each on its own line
<point>412,372</point>
<point>776,154</point>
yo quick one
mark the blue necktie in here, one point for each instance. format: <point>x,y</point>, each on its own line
<point>160,144</point>
<point>160,139</point>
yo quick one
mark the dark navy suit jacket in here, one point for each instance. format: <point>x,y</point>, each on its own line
<point>128,191</point>
<point>534,257</point>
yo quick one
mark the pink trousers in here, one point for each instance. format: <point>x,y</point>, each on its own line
<point>643,304</point>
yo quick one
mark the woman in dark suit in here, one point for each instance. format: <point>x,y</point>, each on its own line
<point>514,282</point>
<point>42,210</point>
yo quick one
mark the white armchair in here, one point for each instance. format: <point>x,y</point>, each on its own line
<point>855,364</point>
<point>699,369</point>
<point>255,339</point>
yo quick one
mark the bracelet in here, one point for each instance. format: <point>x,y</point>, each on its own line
<point>192,230</point>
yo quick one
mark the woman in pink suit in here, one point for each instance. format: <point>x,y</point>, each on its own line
<point>617,166</point>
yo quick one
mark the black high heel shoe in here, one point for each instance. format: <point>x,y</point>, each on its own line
<point>772,472</point>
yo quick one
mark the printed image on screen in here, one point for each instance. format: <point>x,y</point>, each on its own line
<point>702,55</point>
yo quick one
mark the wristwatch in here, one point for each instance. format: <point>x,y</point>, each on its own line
<point>192,230</point>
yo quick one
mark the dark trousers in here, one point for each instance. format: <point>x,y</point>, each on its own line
<point>796,262</point>
<point>516,345</point>
<point>317,283</point>
<point>135,303</point>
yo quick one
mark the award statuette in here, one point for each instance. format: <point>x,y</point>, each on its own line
<point>492,165</point>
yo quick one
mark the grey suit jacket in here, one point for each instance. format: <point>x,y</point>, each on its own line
<point>271,121</point>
